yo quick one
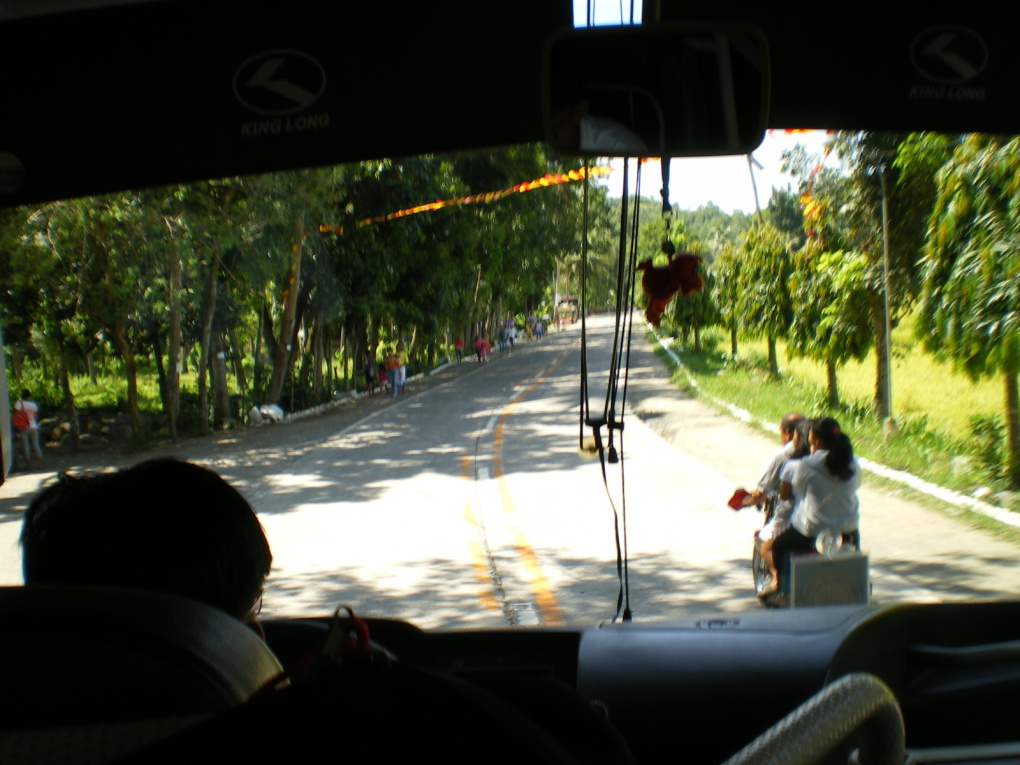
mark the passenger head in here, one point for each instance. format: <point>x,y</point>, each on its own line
<point>801,438</point>
<point>787,426</point>
<point>161,525</point>
<point>826,434</point>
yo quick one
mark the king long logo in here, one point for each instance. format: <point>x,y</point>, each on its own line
<point>278,83</point>
<point>949,55</point>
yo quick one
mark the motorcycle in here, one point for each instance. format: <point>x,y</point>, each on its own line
<point>828,543</point>
<point>759,569</point>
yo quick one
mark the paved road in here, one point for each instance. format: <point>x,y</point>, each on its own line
<point>467,504</point>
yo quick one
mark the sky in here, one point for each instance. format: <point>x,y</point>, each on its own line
<point>723,181</point>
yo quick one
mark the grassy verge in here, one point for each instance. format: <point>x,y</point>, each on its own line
<point>946,455</point>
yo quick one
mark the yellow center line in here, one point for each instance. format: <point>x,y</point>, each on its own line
<point>540,588</point>
<point>479,560</point>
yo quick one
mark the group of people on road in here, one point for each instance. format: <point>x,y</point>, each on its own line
<point>391,373</point>
<point>813,480</point>
<point>534,329</point>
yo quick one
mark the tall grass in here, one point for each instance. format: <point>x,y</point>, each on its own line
<point>946,424</point>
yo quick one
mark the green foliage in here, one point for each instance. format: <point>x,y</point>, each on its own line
<point>786,214</point>
<point>969,310</point>
<point>918,446</point>
<point>764,300</point>
<point>207,270</point>
<point>831,318</point>
<point>697,311</point>
<point>989,446</point>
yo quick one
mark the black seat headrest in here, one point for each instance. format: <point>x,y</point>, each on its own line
<point>83,655</point>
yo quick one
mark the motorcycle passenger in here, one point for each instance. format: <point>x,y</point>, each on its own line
<point>824,488</point>
<point>780,520</point>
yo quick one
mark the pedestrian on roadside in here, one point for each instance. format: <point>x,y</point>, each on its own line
<point>392,362</point>
<point>371,377</point>
<point>402,358</point>
<point>458,347</point>
<point>30,433</point>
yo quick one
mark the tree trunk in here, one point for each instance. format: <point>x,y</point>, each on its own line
<point>373,339</point>
<point>883,407</point>
<point>832,384</point>
<point>317,350</point>
<point>16,369</point>
<point>173,373</point>
<point>1009,375</point>
<point>237,362</point>
<point>72,410</point>
<point>205,356</point>
<point>285,349</point>
<point>733,341</point>
<point>773,357</point>
<point>257,370</point>
<point>164,392</point>
<point>222,410</point>
<point>118,333</point>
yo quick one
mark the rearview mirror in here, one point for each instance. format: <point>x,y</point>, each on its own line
<point>669,90</point>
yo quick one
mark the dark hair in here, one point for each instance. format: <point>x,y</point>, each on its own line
<point>802,427</point>
<point>839,460</point>
<point>26,393</point>
<point>163,525</point>
<point>789,422</point>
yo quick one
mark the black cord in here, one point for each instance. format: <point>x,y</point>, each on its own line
<point>612,417</point>
<point>585,408</point>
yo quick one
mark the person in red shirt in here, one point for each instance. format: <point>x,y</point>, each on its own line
<point>30,435</point>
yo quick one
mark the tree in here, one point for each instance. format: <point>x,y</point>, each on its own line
<point>969,311</point>
<point>764,299</point>
<point>726,289</point>
<point>697,311</point>
<point>879,207</point>
<point>786,214</point>
<point>831,321</point>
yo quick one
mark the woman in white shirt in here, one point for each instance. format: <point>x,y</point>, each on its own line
<point>823,487</point>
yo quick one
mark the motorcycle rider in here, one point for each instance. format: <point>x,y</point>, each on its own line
<point>768,485</point>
